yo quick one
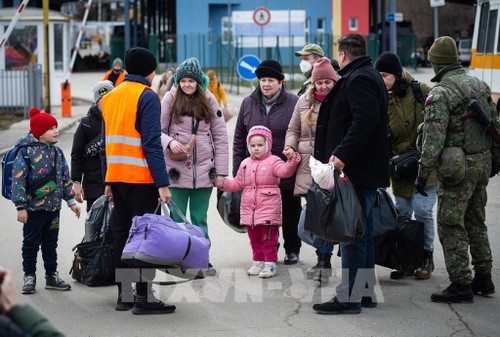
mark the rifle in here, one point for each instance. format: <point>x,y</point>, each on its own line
<point>475,110</point>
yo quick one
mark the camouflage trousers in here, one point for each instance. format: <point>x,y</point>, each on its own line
<point>461,223</point>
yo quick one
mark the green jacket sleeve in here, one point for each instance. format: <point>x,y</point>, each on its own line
<point>32,322</point>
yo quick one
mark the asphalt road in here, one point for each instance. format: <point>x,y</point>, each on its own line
<point>232,304</point>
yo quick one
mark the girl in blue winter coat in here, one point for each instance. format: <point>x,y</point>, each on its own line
<point>258,177</point>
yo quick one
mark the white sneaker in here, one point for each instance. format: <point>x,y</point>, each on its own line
<point>256,268</point>
<point>269,270</point>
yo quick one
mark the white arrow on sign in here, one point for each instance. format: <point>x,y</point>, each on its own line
<point>245,65</point>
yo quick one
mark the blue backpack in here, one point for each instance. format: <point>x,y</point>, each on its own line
<point>7,166</point>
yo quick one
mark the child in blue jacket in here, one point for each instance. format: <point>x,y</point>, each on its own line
<point>38,187</point>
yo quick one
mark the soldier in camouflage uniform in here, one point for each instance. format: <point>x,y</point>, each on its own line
<point>460,152</point>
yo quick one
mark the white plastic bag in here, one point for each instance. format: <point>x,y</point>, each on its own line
<point>322,174</point>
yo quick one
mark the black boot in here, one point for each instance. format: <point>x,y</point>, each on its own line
<point>482,284</point>
<point>425,272</point>
<point>311,272</point>
<point>322,271</point>
<point>125,299</point>
<point>149,305</point>
<point>455,293</point>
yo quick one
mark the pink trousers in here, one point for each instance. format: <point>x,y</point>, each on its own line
<point>263,239</point>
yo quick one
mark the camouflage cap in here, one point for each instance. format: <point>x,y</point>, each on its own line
<point>310,49</point>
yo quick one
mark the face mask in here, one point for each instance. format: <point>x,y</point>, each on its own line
<point>305,66</point>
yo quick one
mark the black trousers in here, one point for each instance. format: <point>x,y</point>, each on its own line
<point>41,230</point>
<point>130,200</point>
<point>291,213</point>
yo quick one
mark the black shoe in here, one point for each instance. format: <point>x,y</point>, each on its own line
<point>291,258</point>
<point>123,306</point>
<point>482,284</point>
<point>211,270</point>
<point>334,307</point>
<point>398,274</point>
<point>367,302</point>
<point>154,307</point>
<point>455,293</point>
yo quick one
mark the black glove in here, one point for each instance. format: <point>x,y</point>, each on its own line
<point>420,185</point>
<point>494,172</point>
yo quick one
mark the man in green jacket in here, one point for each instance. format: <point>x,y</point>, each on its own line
<point>20,319</point>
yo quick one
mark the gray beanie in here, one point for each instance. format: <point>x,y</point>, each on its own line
<point>190,68</point>
<point>102,88</point>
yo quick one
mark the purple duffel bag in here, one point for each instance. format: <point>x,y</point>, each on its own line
<point>158,241</point>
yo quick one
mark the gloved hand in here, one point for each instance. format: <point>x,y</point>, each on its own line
<point>420,185</point>
<point>494,172</point>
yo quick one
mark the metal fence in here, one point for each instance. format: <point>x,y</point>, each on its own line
<point>222,55</point>
<point>21,89</point>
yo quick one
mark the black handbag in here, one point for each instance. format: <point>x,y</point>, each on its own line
<point>93,264</point>
<point>406,164</point>
<point>228,205</point>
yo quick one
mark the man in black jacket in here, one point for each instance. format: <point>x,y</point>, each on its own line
<point>351,133</point>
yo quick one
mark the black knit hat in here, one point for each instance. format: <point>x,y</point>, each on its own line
<point>140,61</point>
<point>270,68</point>
<point>388,62</point>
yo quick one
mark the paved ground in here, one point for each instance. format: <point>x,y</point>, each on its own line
<point>232,304</point>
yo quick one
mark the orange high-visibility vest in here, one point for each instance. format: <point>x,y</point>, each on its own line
<point>118,81</point>
<point>125,157</point>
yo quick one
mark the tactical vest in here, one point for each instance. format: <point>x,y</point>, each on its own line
<point>467,133</point>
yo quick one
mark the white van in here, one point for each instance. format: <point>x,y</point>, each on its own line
<point>464,47</point>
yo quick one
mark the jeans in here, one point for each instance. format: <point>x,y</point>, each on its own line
<point>422,208</point>
<point>359,256</point>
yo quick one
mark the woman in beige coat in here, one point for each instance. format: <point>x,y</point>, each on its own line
<point>300,138</point>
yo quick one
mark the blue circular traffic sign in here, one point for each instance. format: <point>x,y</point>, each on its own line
<point>246,67</point>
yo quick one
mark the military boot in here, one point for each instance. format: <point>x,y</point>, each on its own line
<point>482,284</point>
<point>425,272</point>
<point>455,293</point>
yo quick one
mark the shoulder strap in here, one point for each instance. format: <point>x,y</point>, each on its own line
<point>417,91</point>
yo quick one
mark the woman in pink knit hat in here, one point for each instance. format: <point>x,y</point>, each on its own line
<point>300,138</point>
<point>258,177</point>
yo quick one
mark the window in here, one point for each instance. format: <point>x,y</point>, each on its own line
<point>321,30</point>
<point>58,46</point>
<point>307,31</point>
<point>227,30</point>
<point>483,24</point>
<point>353,24</point>
<point>21,48</point>
<point>492,25</point>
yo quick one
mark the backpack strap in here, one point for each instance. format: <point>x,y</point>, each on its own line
<point>417,91</point>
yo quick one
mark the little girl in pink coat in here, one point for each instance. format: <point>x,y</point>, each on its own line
<point>258,177</point>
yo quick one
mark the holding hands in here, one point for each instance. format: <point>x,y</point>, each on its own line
<point>219,182</point>
<point>289,152</point>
